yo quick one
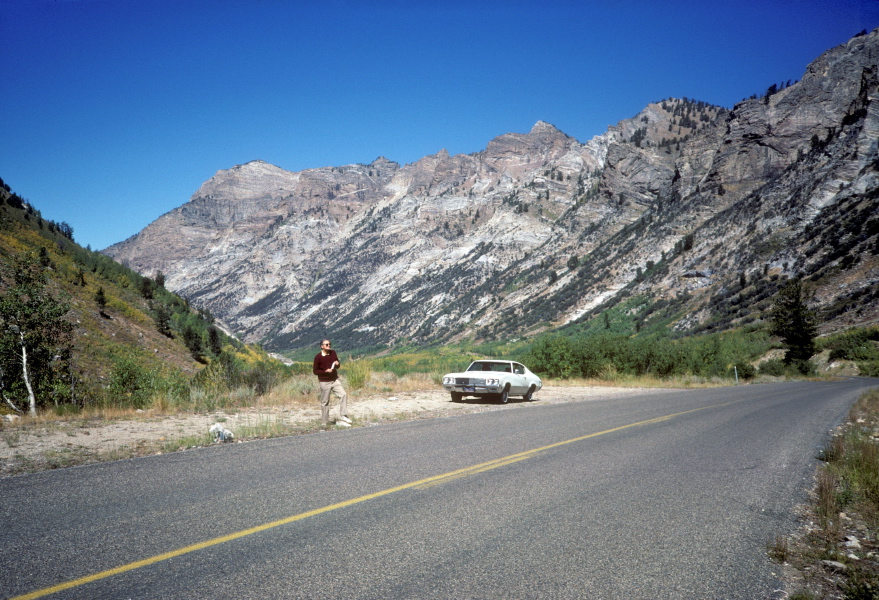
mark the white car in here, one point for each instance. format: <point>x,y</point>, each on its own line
<point>495,379</point>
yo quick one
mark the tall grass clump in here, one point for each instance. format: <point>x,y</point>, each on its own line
<point>298,385</point>
<point>357,373</point>
<point>858,464</point>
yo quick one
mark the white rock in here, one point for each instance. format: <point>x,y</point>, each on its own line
<point>835,565</point>
<point>220,433</point>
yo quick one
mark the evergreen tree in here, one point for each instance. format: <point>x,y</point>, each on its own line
<point>193,341</point>
<point>214,342</point>
<point>101,299</point>
<point>163,321</point>
<point>66,230</point>
<point>794,323</point>
<point>146,288</point>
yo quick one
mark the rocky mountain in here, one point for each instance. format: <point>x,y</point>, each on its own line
<point>689,213</point>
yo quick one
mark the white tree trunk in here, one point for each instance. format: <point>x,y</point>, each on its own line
<point>32,400</point>
<point>11,404</point>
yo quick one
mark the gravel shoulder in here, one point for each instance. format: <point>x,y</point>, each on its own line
<point>32,447</point>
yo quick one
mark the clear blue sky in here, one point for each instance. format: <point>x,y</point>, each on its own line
<point>113,112</point>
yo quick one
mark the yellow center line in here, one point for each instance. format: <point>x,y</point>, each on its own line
<point>421,483</point>
<point>471,471</point>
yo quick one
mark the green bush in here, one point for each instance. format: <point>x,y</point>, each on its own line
<point>745,370</point>
<point>869,369</point>
<point>551,355</point>
<point>774,367</point>
<point>859,345</point>
<point>261,378</point>
<point>130,385</point>
<point>596,352</point>
<point>803,367</point>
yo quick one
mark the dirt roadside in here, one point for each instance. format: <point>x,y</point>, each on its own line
<point>34,447</point>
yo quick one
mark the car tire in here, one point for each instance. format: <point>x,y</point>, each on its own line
<point>457,396</point>
<point>529,395</point>
<point>504,396</point>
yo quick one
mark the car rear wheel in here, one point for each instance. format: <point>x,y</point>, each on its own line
<point>504,396</point>
<point>529,395</point>
<point>457,396</point>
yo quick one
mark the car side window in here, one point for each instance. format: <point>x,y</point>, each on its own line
<point>518,369</point>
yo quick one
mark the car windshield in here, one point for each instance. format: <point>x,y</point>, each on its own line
<point>498,367</point>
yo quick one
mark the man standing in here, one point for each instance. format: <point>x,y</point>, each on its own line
<point>325,366</point>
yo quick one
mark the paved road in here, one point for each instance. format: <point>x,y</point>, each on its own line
<point>666,495</point>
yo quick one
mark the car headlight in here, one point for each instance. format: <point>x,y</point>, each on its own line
<point>448,380</point>
<point>492,381</point>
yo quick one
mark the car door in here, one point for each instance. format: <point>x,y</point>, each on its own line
<point>518,381</point>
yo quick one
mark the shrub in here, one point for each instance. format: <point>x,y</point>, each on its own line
<point>856,345</point>
<point>228,372</point>
<point>745,370</point>
<point>869,369</point>
<point>261,378</point>
<point>130,384</point>
<point>803,367</point>
<point>221,374</point>
<point>592,353</point>
<point>550,355</point>
<point>774,367</point>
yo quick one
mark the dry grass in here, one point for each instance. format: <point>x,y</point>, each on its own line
<point>779,549</point>
<point>300,390</point>
<point>296,392</point>
<point>632,381</point>
<point>845,507</point>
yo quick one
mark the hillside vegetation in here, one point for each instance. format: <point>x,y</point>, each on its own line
<point>79,330</point>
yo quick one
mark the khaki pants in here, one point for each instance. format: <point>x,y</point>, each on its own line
<point>336,387</point>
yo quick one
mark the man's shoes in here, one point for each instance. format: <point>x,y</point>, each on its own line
<point>345,419</point>
<point>342,424</point>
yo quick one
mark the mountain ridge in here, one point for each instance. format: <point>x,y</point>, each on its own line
<point>538,229</point>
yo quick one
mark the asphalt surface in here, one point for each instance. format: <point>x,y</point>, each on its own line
<point>667,495</point>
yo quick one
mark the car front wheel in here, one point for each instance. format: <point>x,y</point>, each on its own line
<point>529,395</point>
<point>457,396</point>
<point>504,396</point>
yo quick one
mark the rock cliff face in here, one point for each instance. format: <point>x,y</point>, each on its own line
<point>692,212</point>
